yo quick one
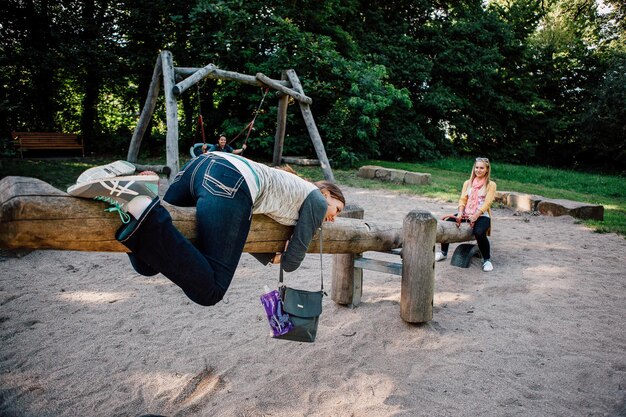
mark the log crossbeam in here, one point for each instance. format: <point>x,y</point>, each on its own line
<point>35,215</point>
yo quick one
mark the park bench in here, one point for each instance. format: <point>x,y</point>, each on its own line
<point>25,141</point>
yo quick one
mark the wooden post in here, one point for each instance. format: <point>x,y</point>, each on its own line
<point>171,110</point>
<point>146,112</point>
<point>347,280</point>
<point>281,126</point>
<point>418,267</point>
<point>312,128</point>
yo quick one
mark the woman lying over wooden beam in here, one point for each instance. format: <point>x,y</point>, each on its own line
<point>226,191</point>
<point>35,215</point>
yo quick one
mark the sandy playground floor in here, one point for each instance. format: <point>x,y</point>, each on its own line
<point>544,334</point>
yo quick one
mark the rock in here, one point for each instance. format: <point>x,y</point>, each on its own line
<point>398,176</point>
<point>368,171</point>
<point>523,202</point>
<point>417,178</point>
<point>556,207</point>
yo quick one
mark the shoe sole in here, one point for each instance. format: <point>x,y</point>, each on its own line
<point>112,170</point>
<point>117,187</point>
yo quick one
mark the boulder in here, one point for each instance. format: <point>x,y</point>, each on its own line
<point>523,202</point>
<point>557,207</point>
<point>417,178</point>
<point>368,171</point>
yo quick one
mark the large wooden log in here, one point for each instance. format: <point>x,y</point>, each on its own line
<point>35,215</point>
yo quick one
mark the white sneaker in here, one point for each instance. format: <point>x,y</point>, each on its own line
<point>439,256</point>
<point>487,266</point>
<point>112,170</point>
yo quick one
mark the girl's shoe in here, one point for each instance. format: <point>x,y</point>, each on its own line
<point>487,266</point>
<point>440,256</point>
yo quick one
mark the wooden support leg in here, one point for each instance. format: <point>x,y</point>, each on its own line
<point>312,128</point>
<point>281,125</point>
<point>418,267</point>
<point>347,280</point>
<point>146,112</point>
<point>171,111</point>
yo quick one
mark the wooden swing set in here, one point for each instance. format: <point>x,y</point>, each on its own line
<point>176,80</point>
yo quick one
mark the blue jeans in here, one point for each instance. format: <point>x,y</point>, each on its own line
<point>223,216</point>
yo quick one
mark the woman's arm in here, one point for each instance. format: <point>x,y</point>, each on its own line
<point>311,216</point>
<point>463,198</point>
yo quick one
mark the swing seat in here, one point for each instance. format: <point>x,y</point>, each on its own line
<point>196,149</point>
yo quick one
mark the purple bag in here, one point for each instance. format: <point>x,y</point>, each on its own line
<point>278,319</point>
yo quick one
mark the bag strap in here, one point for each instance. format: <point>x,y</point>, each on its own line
<point>280,275</point>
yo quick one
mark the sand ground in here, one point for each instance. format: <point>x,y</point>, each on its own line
<point>544,334</point>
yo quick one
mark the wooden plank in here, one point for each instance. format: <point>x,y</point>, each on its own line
<point>394,268</point>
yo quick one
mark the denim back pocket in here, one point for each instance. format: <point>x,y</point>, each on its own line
<point>221,179</point>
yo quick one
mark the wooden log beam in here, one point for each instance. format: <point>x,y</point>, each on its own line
<point>35,215</point>
<point>194,78</point>
<point>286,90</point>
<point>219,74</point>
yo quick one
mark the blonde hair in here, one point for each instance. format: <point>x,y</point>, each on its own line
<point>487,175</point>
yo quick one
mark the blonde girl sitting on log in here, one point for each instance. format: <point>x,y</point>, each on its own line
<point>475,207</point>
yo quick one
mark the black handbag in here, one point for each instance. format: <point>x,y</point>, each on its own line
<point>304,308</point>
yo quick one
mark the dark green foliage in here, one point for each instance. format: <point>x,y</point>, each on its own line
<point>518,80</point>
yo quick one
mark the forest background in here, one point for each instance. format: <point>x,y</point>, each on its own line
<point>522,81</point>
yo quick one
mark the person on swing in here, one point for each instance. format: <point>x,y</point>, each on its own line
<point>218,184</point>
<point>222,146</point>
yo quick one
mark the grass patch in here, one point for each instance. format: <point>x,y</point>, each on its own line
<point>448,176</point>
